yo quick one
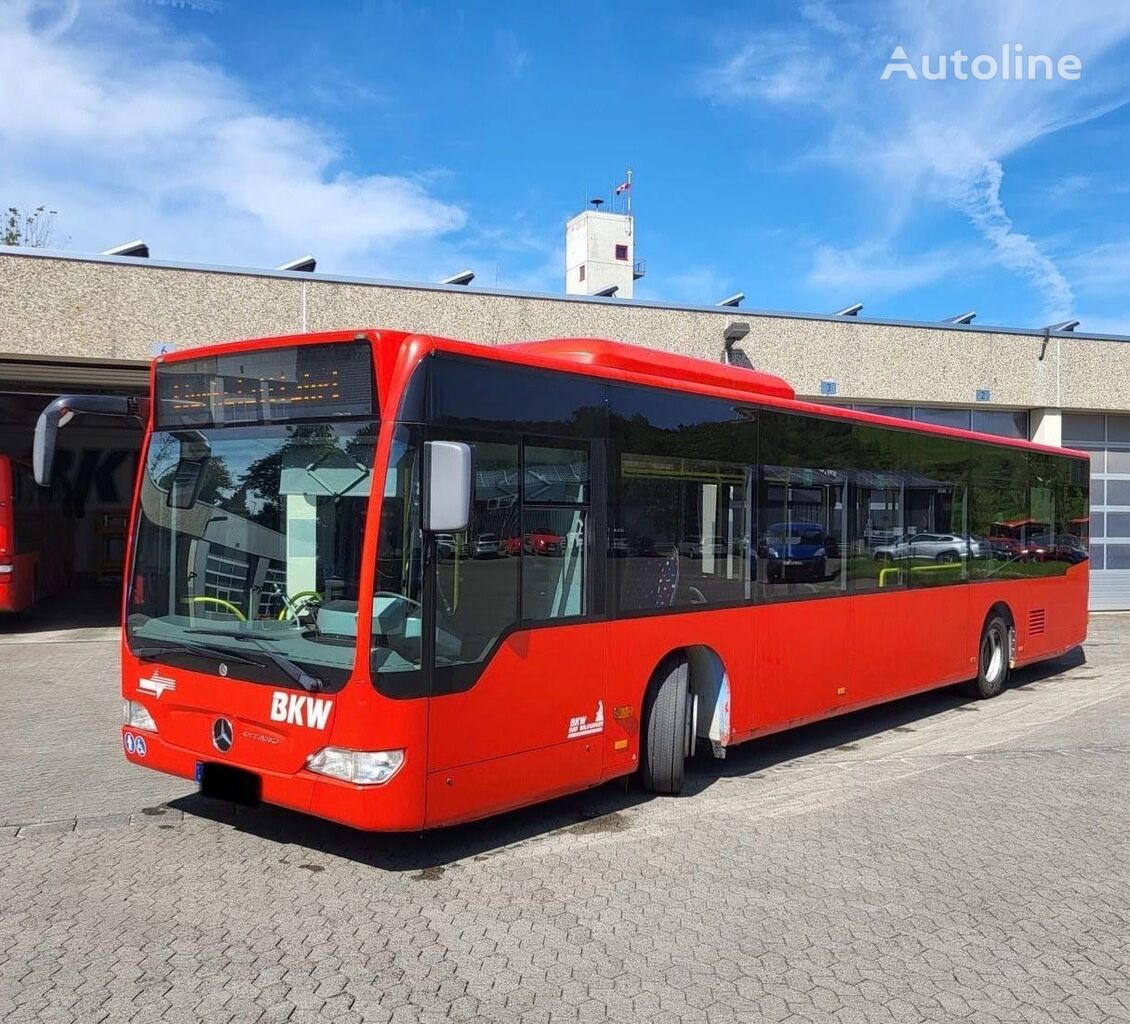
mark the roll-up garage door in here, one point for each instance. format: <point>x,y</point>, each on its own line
<point>1107,439</point>
<point>53,377</point>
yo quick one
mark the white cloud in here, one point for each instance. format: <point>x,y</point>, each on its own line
<point>513,57</point>
<point>872,271</point>
<point>1102,268</point>
<point>1015,250</point>
<point>778,67</point>
<point>918,141</point>
<point>172,148</point>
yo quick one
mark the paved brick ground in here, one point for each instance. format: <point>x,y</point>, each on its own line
<point>932,860</point>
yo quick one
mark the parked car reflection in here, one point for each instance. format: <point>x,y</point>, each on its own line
<point>795,551</point>
<point>935,547</point>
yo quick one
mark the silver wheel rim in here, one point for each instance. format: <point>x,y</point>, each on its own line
<point>992,655</point>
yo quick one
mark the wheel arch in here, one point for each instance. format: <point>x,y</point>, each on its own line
<point>1004,610</point>
<point>709,682</point>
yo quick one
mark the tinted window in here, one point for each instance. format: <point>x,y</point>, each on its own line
<point>397,618</point>
<point>1004,423</point>
<point>477,575</point>
<point>555,519</point>
<point>682,479</point>
<point>1002,512</point>
<point>469,393</point>
<point>877,519</point>
<point>802,503</point>
<point>938,546</point>
<point>943,417</point>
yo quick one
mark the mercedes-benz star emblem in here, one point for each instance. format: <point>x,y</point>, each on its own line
<point>222,735</point>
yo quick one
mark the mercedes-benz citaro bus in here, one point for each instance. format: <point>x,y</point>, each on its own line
<point>332,602</point>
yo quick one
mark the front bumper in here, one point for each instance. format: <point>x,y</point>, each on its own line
<point>395,806</point>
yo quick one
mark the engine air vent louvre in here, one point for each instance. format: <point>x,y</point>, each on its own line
<point>1037,621</point>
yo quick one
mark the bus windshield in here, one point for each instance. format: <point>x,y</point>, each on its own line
<point>247,554</point>
<point>249,537</point>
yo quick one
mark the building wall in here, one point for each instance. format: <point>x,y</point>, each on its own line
<point>121,309</point>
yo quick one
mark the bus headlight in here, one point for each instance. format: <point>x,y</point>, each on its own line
<point>137,717</point>
<point>363,767</point>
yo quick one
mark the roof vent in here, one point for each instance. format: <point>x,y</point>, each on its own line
<point>961,318</point>
<point>304,264</point>
<point>853,310</point>
<point>136,248</point>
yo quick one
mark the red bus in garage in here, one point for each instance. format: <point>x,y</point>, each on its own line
<point>36,539</point>
<point>310,618</point>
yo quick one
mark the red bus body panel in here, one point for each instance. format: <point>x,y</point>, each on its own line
<point>508,741</point>
<point>29,575</point>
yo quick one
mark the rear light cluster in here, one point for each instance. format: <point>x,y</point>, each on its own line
<point>136,717</point>
<point>362,767</point>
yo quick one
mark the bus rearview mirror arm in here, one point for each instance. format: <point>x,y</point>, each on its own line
<point>449,469</point>
<point>61,411</point>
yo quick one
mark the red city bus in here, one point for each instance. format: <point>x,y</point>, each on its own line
<point>35,538</point>
<point>331,603</point>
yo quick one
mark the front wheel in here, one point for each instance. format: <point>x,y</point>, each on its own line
<point>992,660</point>
<point>669,719</point>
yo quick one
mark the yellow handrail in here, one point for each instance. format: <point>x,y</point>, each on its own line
<point>225,605</point>
<point>896,571</point>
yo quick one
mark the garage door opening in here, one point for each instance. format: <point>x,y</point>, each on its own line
<point>67,542</point>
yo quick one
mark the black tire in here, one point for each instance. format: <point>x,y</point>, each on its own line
<point>947,558</point>
<point>668,719</point>
<point>992,660</point>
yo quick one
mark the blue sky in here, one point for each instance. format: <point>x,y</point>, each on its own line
<point>409,141</point>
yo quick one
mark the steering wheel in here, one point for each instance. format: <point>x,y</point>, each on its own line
<point>226,606</point>
<point>293,606</point>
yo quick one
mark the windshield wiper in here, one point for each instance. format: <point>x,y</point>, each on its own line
<point>310,683</point>
<point>200,650</point>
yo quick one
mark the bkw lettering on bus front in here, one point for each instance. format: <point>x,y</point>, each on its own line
<point>299,709</point>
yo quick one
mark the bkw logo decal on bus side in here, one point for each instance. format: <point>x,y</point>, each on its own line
<point>581,726</point>
<point>298,709</point>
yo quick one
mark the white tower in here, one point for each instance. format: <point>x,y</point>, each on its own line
<point>600,254</point>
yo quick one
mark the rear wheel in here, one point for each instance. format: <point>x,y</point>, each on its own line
<point>670,725</point>
<point>992,660</point>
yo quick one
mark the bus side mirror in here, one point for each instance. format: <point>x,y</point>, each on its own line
<point>43,447</point>
<point>449,470</point>
<point>61,411</point>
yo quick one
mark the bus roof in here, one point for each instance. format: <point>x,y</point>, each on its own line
<point>629,363</point>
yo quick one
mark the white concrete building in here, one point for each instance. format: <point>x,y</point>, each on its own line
<point>600,254</point>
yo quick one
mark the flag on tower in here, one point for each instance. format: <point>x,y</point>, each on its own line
<point>623,187</point>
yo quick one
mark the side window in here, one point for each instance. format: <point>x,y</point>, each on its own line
<point>1073,511</point>
<point>682,534</point>
<point>802,506</point>
<point>681,485</point>
<point>556,489</point>
<point>876,515</point>
<point>397,612</point>
<point>476,570</point>
<point>940,548</point>
<point>1000,515</point>
<point>1058,494</point>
